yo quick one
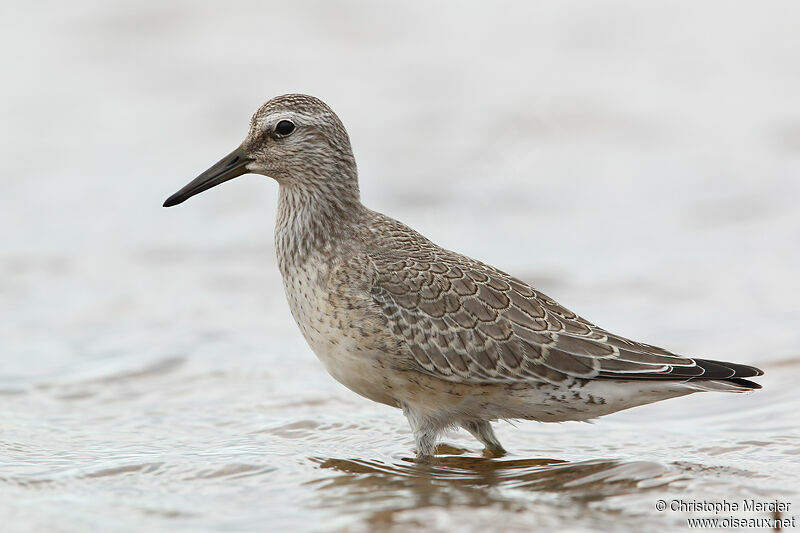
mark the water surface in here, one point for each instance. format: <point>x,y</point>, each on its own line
<point>638,163</point>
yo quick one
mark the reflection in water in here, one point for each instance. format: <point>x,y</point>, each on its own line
<point>385,491</point>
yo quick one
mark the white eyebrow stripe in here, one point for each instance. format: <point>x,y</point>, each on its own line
<point>268,122</point>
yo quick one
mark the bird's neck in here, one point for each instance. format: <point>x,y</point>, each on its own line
<point>312,218</point>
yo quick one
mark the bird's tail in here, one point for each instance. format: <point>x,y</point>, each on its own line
<point>726,385</point>
<point>704,375</point>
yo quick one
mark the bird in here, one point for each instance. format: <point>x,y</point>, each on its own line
<point>450,340</point>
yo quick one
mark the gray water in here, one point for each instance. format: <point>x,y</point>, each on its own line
<point>639,163</point>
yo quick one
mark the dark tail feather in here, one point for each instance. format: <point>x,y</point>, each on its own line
<point>725,370</point>
<point>704,370</point>
<point>744,383</point>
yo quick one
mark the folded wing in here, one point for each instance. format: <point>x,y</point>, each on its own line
<point>466,321</point>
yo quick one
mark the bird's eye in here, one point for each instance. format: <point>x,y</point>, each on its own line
<point>284,127</point>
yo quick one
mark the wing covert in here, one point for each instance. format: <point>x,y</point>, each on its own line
<point>466,321</point>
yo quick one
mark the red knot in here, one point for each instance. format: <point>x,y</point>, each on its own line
<point>401,321</point>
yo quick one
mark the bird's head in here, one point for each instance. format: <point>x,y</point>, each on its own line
<point>296,140</point>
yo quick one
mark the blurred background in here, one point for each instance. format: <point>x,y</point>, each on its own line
<point>638,163</point>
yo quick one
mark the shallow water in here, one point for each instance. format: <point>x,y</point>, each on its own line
<point>637,163</point>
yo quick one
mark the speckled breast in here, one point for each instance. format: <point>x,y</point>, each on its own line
<point>337,321</point>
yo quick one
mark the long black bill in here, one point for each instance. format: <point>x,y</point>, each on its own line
<point>232,165</point>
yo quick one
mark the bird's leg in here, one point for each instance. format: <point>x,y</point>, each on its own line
<point>425,431</point>
<point>482,430</point>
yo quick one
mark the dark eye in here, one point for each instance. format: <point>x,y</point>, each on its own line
<point>284,127</point>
